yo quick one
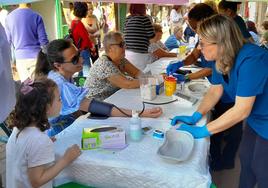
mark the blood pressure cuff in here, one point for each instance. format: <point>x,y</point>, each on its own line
<point>99,109</point>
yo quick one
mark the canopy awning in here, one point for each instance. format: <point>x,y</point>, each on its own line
<point>248,0</point>
<point>172,2</point>
<point>15,2</point>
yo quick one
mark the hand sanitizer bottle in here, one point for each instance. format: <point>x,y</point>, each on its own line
<point>135,127</point>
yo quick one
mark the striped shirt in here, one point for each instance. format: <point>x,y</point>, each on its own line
<point>137,32</point>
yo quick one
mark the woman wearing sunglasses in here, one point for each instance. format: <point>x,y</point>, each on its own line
<point>59,62</point>
<point>111,71</point>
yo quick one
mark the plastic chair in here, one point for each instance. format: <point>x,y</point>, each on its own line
<point>213,185</point>
<point>72,185</point>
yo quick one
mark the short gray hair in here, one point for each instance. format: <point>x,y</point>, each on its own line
<point>111,38</point>
<point>224,32</point>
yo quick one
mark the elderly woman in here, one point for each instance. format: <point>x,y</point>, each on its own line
<point>59,63</point>
<point>157,49</point>
<point>109,73</point>
<point>138,31</point>
<point>240,71</point>
<point>176,39</point>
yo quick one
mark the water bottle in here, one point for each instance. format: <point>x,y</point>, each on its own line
<point>135,127</point>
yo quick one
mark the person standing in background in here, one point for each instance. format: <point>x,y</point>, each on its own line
<point>176,18</point>
<point>7,91</point>
<point>230,9</point>
<point>7,88</point>
<point>138,31</point>
<point>81,36</point>
<point>253,31</point>
<point>92,26</point>
<point>69,14</point>
<point>25,30</point>
<point>264,38</point>
<point>3,15</point>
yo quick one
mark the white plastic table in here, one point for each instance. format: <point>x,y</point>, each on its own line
<point>137,165</point>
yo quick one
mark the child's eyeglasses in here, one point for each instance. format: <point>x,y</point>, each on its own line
<point>122,44</point>
<point>75,59</point>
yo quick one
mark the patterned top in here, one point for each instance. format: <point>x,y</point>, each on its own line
<point>155,46</point>
<point>99,86</point>
<point>137,32</point>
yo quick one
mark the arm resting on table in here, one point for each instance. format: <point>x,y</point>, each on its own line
<point>163,53</point>
<point>122,82</point>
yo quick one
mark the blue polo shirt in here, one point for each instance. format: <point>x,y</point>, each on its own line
<point>172,42</point>
<point>247,78</point>
<point>242,26</point>
<point>206,64</point>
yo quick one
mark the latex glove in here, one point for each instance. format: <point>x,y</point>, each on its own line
<point>197,132</point>
<point>191,120</point>
<point>172,68</point>
<point>180,77</point>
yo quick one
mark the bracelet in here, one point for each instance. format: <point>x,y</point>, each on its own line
<point>186,77</point>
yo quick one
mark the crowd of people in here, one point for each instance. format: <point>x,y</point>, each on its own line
<point>228,51</point>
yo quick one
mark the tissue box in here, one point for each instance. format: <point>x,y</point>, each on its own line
<point>103,137</point>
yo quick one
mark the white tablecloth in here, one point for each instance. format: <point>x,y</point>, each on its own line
<point>137,165</point>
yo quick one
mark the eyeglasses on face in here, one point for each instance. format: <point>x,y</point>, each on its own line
<point>203,45</point>
<point>75,59</point>
<point>122,44</point>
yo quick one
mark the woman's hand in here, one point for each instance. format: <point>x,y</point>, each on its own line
<point>153,112</point>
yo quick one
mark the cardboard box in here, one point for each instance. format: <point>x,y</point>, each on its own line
<point>103,137</point>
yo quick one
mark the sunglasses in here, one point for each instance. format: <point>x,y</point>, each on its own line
<point>75,59</point>
<point>122,44</point>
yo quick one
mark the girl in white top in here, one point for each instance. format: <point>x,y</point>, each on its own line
<point>29,151</point>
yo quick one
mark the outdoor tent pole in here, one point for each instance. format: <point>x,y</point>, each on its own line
<point>59,19</point>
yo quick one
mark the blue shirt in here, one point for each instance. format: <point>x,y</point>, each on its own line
<point>206,64</point>
<point>172,42</point>
<point>242,26</point>
<point>71,98</point>
<point>26,32</point>
<point>71,95</point>
<point>247,78</point>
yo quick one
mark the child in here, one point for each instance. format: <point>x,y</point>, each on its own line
<point>29,151</point>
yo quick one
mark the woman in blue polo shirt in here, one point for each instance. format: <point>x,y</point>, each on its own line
<point>241,71</point>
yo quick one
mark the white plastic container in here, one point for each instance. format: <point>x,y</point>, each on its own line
<point>135,127</point>
<point>148,87</point>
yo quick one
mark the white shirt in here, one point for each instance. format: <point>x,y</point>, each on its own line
<point>7,88</point>
<point>30,149</point>
<point>175,16</point>
<point>3,15</point>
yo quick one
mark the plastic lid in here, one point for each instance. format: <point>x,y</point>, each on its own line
<point>135,114</point>
<point>170,79</point>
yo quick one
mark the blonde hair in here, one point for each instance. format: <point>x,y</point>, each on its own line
<point>224,32</point>
<point>177,29</point>
<point>212,4</point>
